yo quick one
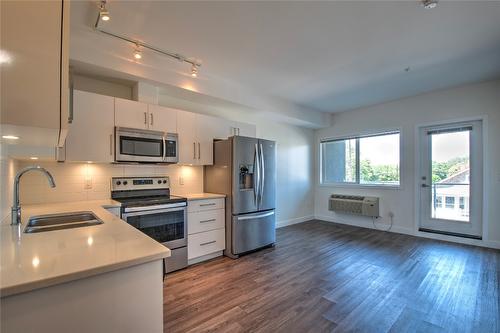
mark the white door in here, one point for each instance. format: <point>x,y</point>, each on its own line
<point>162,119</point>
<point>186,129</point>
<point>131,114</point>
<point>451,179</point>
<point>90,137</point>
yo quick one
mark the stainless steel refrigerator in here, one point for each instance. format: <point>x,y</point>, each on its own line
<point>245,171</point>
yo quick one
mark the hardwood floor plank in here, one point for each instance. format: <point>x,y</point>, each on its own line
<point>327,277</point>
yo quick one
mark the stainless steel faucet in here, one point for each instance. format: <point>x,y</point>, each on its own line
<point>16,207</point>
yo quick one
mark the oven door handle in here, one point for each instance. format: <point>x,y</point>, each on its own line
<point>153,211</point>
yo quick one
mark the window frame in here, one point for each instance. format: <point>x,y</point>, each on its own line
<point>357,184</point>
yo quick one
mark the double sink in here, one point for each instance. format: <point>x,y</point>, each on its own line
<point>42,223</point>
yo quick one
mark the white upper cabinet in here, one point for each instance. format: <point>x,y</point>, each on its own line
<point>162,119</point>
<point>207,129</point>
<point>131,114</point>
<point>188,141</point>
<point>91,134</point>
<point>34,83</point>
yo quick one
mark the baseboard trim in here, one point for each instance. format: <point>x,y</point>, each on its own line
<point>416,233</point>
<point>284,223</point>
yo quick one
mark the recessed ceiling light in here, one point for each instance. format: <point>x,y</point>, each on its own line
<point>33,158</point>
<point>429,4</point>
<point>10,137</point>
<point>4,57</point>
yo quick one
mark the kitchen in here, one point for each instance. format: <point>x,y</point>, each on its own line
<point>141,163</point>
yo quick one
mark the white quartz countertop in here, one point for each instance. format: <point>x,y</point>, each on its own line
<point>37,260</point>
<point>202,196</point>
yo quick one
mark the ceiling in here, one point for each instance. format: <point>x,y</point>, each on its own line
<point>327,56</point>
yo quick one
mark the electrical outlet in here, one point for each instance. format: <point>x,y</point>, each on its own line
<point>181,180</point>
<point>88,184</point>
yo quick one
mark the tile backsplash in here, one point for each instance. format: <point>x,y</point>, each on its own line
<point>83,181</point>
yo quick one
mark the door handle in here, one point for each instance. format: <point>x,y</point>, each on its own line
<point>194,150</point>
<point>207,243</point>
<point>151,119</point>
<point>242,218</point>
<point>145,118</point>
<point>199,151</point>
<point>206,221</point>
<point>256,173</point>
<point>262,166</point>
<point>425,185</point>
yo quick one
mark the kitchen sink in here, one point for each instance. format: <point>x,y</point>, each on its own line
<point>42,223</point>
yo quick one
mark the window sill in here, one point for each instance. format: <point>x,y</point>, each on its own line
<point>362,186</point>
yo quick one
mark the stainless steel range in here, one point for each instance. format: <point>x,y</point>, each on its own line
<point>148,206</point>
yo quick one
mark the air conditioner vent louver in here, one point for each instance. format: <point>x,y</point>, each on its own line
<point>354,204</point>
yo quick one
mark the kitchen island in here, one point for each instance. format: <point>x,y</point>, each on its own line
<point>101,278</point>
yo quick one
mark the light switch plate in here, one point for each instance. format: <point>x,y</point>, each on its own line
<point>88,184</point>
<point>181,180</point>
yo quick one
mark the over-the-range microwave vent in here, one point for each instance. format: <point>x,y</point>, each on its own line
<point>354,204</point>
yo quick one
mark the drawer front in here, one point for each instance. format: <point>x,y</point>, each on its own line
<point>208,204</point>
<point>205,221</point>
<point>205,243</point>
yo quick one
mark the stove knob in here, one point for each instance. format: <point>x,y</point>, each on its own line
<point>125,182</point>
<point>164,182</point>
<point>159,182</point>
<point>118,183</point>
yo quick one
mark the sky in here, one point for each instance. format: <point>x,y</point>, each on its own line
<point>446,146</point>
<point>380,150</point>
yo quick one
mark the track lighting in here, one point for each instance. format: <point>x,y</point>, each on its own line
<point>429,4</point>
<point>194,71</point>
<point>137,53</point>
<point>103,12</point>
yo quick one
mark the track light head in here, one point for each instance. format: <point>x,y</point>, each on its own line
<point>103,12</point>
<point>194,70</point>
<point>137,53</point>
<point>429,4</point>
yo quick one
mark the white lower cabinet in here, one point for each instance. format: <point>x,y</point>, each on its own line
<point>205,243</point>
<point>206,229</point>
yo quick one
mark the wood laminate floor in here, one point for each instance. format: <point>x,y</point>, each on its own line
<point>324,277</point>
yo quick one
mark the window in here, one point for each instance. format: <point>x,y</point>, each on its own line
<point>438,202</point>
<point>365,160</point>
<point>449,202</point>
<point>461,202</point>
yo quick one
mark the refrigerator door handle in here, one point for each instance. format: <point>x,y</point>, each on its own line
<point>256,176</point>
<point>262,166</point>
<point>250,217</point>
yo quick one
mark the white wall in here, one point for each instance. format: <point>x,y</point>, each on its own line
<point>71,178</point>
<point>8,170</point>
<point>477,100</point>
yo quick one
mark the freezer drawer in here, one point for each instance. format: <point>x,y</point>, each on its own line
<point>252,231</point>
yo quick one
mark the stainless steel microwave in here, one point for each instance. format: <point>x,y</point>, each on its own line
<point>145,146</point>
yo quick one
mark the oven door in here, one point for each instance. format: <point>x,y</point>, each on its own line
<point>135,145</point>
<point>167,226</point>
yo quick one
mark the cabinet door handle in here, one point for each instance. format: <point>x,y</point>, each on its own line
<point>206,221</point>
<point>152,120</point>
<point>207,243</point>
<point>145,118</point>
<point>208,204</point>
<point>199,151</point>
<point>111,144</point>
<point>194,150</point>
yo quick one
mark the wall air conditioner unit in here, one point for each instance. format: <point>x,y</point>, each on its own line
<point>354,204</point>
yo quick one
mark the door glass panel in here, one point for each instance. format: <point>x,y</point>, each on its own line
<point>450,168</point>
<point>141,146</point>
<point>162,227</point>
